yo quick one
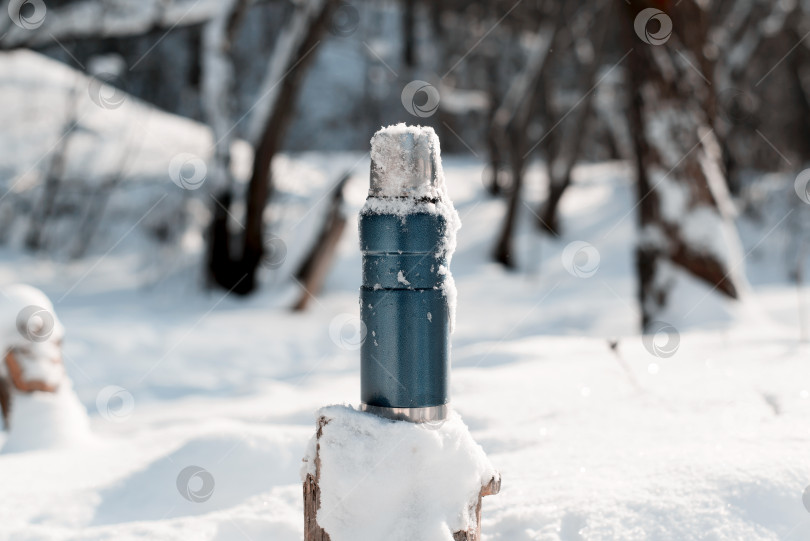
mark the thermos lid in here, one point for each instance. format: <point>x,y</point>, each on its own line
<point>404,162</point>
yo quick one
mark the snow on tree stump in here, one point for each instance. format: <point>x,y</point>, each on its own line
<point>367,478</point>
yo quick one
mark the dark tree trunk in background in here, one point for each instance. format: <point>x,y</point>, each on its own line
<point>409,45</point>
<point>562,152</point>
<point>312,272</point>
<point>5,401</point>
<point>798,65</point>
<point>222,268</point>
<point>53,177</point>
<point>504,248</point>
<point>509,127</point>
<point>217,99</point>
<point>678,162</point>
<point>305,31</point>
<point>739,35</point>
<point>494,183</point>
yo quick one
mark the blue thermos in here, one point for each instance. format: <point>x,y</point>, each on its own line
<point>405,358</point>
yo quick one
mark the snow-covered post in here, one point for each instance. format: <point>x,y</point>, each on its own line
<point>367,474</point>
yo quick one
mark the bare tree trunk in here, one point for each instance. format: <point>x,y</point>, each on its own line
<point>5,400</point>
<point>798,67</point>
<point>315,267</point>
<point>739,36</point>
<point>217,97</point>
<point>495,183</point>
<point>92,217</point>
<point>409,39</point>
<point>97,202</point>
<point>679,165</point>
<point>217,84</point>
<point>504,248</point>
<point>293,51</point>
<point>563,156</point>
<point>260,187</point>
<point>509,126</point>
<point>53,176</point>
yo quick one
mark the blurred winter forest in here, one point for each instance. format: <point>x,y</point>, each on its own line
<point>175,119</point>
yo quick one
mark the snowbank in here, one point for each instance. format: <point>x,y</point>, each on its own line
<point>31,333</point>
<point>41,420</point>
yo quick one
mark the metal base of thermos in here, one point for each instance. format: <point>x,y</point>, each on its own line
<point>430,414</point>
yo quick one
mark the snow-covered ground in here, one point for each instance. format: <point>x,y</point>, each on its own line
<point>702,434</point>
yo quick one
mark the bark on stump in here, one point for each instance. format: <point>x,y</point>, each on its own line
<point>312,501</point>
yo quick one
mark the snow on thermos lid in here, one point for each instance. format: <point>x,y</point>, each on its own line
<point>407,299</point>
<point>404,162</point>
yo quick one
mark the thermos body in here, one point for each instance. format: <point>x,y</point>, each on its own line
<point>405,357</point>
<point>407,296</point>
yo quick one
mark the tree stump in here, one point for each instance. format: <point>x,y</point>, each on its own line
<point>312,499</point>
<point>312,494</point>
